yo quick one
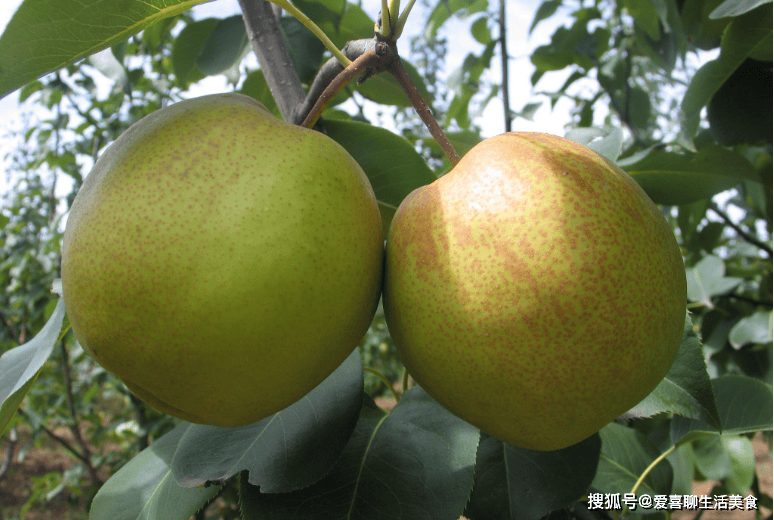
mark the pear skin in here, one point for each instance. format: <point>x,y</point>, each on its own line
<point>220,261</point>
<point>535,290</point>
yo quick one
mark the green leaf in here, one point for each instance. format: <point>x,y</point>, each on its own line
<point>607,143</point>
<point>686,389</point>
<point>415,462</point>
<point>46,35</point>
<point>683,469</point>
<point>256,87</point>
<point>20,366</point>
<point>384,88</point>
<point>515,483</point>
<point>224,46</point>
<point>445,9</point>
<point>545,11</point>
<point>736,7</point>
<point>707,279</point>
<point>727,458</point>
<point>645,16</point>
<point>289,450</point>
<point>752,329</point>
<point>745,406</point>
<point>187,48</point>
<point>744,37</point>
<point>392,165</point>
<point>305,48</point>
<point>626,453</point>
<point>144,488</point>
<point>676,179</point>
<point>480,30</point>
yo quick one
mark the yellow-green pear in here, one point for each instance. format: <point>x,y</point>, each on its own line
<point>220,261</point>
<point>535,290</point>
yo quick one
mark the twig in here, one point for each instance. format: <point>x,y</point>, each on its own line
<point>741,232</point>
<point>75,427</point>
<point>397,70</point>
<point>504,62</point>
<point>269,46</point>
<point>12,440</point>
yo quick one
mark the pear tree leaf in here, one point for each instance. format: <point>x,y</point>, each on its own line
<point>305,48</point>
<point>384,88</point>
<point>256,87</point>
<point>626,453</point>
<point>735,8</point>
<point>415,462</point>
<point>686,389</point>
<point>289,450</point>
<point>607,143</point>
<point>391,163</point>
<point>745,405</point>
<point>545,11</point>
<point>187,48</point>
<point>515,483</point>
<point>752,329</point>
<point>224,46</point>
<point>46,35</point>
<point>444,10</point>
<point>677,179</point>
<point>683,469</point>
<point>746,36</point>
<point>20,366</point>
<point>144,488</point>
<point>707,279</point>
<point>727,458</point>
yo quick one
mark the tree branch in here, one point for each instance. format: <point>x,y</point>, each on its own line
<point>12,440</point>
<point>504,64</point>
<point>741,232</point>
<point>269,46</point>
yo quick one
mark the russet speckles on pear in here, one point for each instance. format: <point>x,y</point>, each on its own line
<point>205,249</point>
<point>547,265</point>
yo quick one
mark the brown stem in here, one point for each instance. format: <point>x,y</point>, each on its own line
<point>85,454</point>
<point>12,440</point>
<point>397,70</point>
<point>360,65</point>
<point>504,61</point>
<point>269,46</point>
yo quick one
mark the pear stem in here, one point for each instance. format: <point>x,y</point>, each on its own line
<point>647,471</point>
<point>399,72</point>
<point>384,380</point>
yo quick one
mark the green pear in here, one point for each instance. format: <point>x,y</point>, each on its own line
<point>220,261</point>
<point>535,290</point>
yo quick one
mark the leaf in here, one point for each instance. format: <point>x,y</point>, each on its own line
<point>445,9</point>
<point>707,279</point>
<point>545,11</point>
<point>392,165</point>
<point>607,143</point>
<point>289,450</point>
<point>676,179</point>
<point>736,8</point>
<point>144,488</point>
<point>727,458</point>
<point>626,453</point>
<point>256,87</point>
<point>515,483</point>
<point>745,406</point>
<point>20,366</point>
<point>415,462</point>
<point>224,46</point>
<point>305,48</point>
<point>187,48</point>
<point>480,30</point>
<point>46,35</point>
<point>384,88</point>
<point>686,389</point>
<point>752,329</point>
<point>741,39</point>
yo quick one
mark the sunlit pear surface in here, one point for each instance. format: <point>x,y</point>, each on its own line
<point>535,290</point>
<point>221,261</point>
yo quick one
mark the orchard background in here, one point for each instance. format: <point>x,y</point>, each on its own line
<point>677,92</point>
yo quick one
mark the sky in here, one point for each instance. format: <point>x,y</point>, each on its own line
<point>520,15</point>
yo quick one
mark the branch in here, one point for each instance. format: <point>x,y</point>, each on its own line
<point>12,440</point>
<point>741,232</point>
<point>272,52</point>
<point>397,70</point>
<point>504,62</point>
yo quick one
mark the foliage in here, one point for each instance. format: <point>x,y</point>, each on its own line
<point>675,91</point>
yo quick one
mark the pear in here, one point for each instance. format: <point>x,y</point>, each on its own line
<point>535,290</point>
<point>220,261</point>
